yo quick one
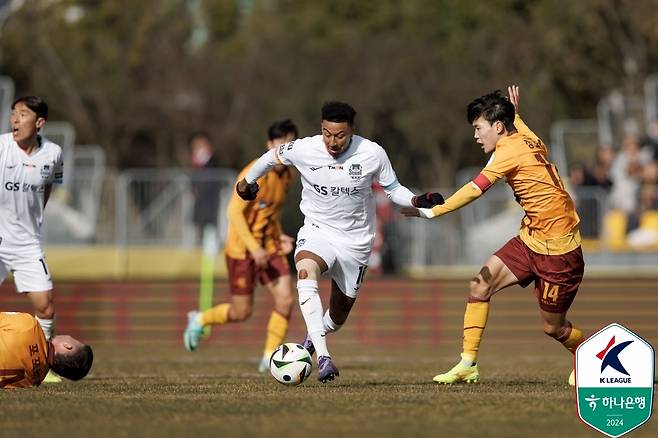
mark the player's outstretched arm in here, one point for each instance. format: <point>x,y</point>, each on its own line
<point>247,188</point>
<point>402,196</point>
<point>467,194</point>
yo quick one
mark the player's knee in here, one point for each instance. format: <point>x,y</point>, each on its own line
<point>302,274</point>
<point>240,313</point>
<point>479,290</point>
<point>284,303</point>
<point>45,311</point>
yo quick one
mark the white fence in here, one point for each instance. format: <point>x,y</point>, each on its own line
<point>156,206</point>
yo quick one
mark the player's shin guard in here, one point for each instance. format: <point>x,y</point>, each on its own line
<point>277,328</point>
<point>217,315</point>
<point>475,320</point>
<point>571,337</point>
<point>48,326</point>
<point>311,307</point>
<point>329,324</point>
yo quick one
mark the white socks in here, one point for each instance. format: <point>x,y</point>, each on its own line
<point>48,327</point>
<point>311,306</point>
<point>329,324</point>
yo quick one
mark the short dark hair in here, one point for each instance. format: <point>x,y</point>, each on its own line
<point>493,107</point>
<point>74,366</point>
<point>35,103</point>
<point>338,112</point>
<point>281,129</point>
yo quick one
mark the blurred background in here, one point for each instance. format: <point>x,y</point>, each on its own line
<point>130,82</point>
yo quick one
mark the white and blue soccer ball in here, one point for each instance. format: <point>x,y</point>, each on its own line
<point>290,364</point>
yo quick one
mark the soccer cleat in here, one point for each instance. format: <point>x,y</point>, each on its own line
<point>193,331</point>
<point>458,374</point>
<point>572,378</point>
<point>51,377</point>
<point>264,364</point>
<point>308,344</point>
<point>326,369</point>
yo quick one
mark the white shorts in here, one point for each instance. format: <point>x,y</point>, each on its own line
<point>346,267</point>
<point>29,267</point>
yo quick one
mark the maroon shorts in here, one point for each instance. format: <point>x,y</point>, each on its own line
<point>243,273</point>
<point>556,277</point>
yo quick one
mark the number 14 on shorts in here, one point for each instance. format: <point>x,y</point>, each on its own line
<point>550,293</point>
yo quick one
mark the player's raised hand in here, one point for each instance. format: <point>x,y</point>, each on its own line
<point>247,191</point>
<point>513,92</point>
<point>427,200</point>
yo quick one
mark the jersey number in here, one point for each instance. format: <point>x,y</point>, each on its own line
<point>551,291</point>
<point>7,377</point>
<point>551,171</point>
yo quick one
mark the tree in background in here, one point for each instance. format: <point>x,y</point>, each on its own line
<point>138,76</point>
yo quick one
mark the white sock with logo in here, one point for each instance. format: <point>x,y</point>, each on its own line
<point>311,306</point>
<point>329,324</point>
<point>47,325</point>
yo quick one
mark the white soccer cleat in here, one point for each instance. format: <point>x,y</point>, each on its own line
<point>193,331</point>
<point>264,364</point>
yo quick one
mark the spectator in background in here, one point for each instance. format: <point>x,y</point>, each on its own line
<point>204,188</point>
<point>626,175</point>
<point>650,141</point>
<point>648,193</point>
<point>585,187</point>
<point>601,171</point>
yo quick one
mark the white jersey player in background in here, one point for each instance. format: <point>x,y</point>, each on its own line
<point>337,170</point>
<point>29,165</point>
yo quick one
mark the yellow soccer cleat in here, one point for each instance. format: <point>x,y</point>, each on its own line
<point>572,378</point>
<point>51,377</point>
<point>458,374</point>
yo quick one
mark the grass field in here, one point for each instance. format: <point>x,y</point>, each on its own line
<point>142,388</point>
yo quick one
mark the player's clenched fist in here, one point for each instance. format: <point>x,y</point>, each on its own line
<point>247,191</point>
<point>427,200</point>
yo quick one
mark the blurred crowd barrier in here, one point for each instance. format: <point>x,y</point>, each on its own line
<point>140,224</point>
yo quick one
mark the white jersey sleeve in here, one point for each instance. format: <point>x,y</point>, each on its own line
<point>385,174</point>
<point>290,153</point>
<point>57,176</point>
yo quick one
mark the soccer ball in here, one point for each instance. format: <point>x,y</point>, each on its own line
<point>290,364</point>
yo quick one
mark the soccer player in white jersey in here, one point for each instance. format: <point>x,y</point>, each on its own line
<point>337,170</point>
<point>29,165</point>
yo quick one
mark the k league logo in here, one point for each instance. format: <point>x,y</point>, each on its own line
<point>614,380</point>
<point>610,358</point>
